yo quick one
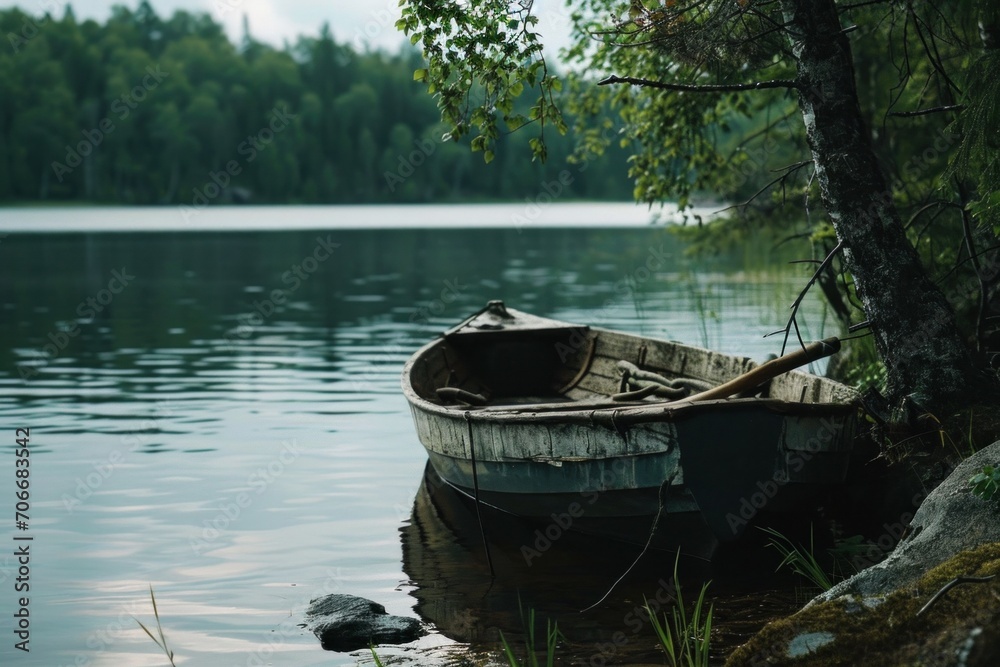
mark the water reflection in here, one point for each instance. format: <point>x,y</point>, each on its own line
<point>596,590</point>
<point>156,416</point>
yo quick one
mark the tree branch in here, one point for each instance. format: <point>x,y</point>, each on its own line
<point>950,585</point>
<point>696,88</point>
<point>924,112</point>
<point>792,322</point>
<point>984,290</point>
<point>847,8</point>
<point>789,170</point>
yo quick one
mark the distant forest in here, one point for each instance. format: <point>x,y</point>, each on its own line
<point>148,110</point>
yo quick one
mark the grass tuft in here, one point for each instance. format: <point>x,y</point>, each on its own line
<point>159,638</point>
<point>802,561</point>
<point>685,639</point>
<point>552,637</point>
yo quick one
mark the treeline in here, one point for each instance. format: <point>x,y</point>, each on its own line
<point>150,110</point>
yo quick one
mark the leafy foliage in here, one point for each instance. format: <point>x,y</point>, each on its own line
<point>978,156</point>
<point>707,97</point>
<point>482,56</point>
<point>986,483</point>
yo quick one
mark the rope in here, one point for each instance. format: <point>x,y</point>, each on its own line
<point>652,531</point>
<point>475,488</point>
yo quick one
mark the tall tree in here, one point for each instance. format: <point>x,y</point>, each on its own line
<point>683,69</point>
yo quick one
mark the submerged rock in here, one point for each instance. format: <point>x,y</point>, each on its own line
<point>347,623</point>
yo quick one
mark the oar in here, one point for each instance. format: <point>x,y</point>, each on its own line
<point>767,371</point>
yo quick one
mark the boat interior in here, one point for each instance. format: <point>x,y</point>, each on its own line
<point>545,362</point>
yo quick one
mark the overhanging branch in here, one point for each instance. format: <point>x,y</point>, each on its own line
<point>789,170</point>
<point>698,88</point>
<point>792,321</point>
<point>925,112</point>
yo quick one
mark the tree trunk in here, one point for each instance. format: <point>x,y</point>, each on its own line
<point>914,326</point>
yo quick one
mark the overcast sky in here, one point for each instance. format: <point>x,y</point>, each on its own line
<point>275,21</point>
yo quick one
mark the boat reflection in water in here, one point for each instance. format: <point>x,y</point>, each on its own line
<point>565,577</point>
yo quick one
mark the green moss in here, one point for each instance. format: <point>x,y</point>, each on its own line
<point>891,633</point>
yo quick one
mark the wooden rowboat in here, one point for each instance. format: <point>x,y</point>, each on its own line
<point>597,431</point>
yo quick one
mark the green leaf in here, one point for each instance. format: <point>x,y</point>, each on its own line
<point>420,75</point>
<point>488,156</point>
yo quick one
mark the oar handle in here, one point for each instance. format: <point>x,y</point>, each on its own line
<point>769,370</point>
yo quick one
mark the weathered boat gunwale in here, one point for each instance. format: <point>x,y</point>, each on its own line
<point>622,413</point>
<point>550,427</point>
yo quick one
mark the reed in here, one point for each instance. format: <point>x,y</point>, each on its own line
<point>802,561</point>
<point>685,639</point>
<point>552,637</point>
<point>162,640</point>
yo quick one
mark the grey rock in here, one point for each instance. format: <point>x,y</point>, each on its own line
<point>949,521</point>
<point>348,622</point>
<point>809,642</point>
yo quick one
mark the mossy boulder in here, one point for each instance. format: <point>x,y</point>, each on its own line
<point>872,618</point>
<point>961,628</point>
<point>950,520</point>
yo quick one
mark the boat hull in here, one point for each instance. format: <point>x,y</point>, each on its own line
<point>710,467</point>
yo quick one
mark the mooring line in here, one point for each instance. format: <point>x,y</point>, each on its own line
<point>475,488</point>
<point>652,531</point>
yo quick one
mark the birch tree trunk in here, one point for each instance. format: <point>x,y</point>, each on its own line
<point>914,326</point>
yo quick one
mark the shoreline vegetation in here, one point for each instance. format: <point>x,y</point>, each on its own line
<point>146,110</point>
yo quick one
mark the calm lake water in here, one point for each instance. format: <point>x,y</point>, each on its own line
<point>216,413</point>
